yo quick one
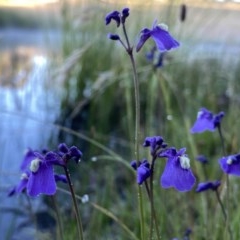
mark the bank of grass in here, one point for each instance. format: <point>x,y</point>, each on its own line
<point>28,18</point>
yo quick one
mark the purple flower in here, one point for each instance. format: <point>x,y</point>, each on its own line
<point>159,33</point>
<point>117,16</point>
<point>155,58</point>
<point>21,185</point>
<point>41,179</point>
<point>208,186</point>
<point>206,120</point>
<point>143,170</point>
<point>114,15</point>
<point>230,164</point>
<point>177,172</point>
<point>66,153</point>
<point>155,143</point>
<point>38,175</point>
<point>114,37</point>
<point>125,14</point>
<point>202,159</point>
<point>151,54</point>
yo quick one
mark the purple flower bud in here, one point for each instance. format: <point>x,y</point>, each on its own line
<point>202,159</point>
<point>125,14</point>
<point>113,36</point>
<point>62,147</point>
<point>115,15</point>
<point>208,186</point>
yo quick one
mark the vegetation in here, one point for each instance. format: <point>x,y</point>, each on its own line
<point>98,115</point>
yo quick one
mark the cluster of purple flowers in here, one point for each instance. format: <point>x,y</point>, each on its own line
<point>37,169</point>
<point>159,32</point>
<point>177,172</point>
<point>208,121</point>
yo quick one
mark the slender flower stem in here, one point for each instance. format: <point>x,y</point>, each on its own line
<point>227,187</point>
<point>59,221</point>
<point>151,196</point>
<point>153,215</point>
<point>222,206</point>
<point>78,218</point>
<point>137,128</point>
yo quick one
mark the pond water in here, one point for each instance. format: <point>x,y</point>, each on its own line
<point>29,103</point>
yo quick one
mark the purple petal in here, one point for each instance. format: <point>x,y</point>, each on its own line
<point>60,178</point>
<point>143,173</point>
<point>42,182</point>
<point>205,121</point>
<point>29,156</point>
<point>208,185</point>
<point>230,164</point>
<point>177,177</point>
<point>145,35</point>
<point>115,15</point>
<point>163,39</point>
<point>52,158</point>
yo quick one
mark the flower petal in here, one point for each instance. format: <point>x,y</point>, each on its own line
<point>163,39</point>
<point>42,182</point>
<point>177,177</point>
<point>145,35</point>
<point>233,168</point>
<point>29,156</point>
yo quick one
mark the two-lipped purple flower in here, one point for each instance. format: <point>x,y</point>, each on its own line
<point>177,172</point>
<point>159,32</point>
<point>37,169</point>
<point>206,121</point>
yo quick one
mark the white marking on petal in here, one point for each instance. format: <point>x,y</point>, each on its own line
<point>199,114</point>
<point>184,162</point>
<point>229,161</point>
<point>34,165</point>
<point>163,26</point>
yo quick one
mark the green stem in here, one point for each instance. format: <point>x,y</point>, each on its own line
<point>227,187</point>
<point>153,215</point>
<point>137,127</point>
<point>222,206</point>
<point>59,221</point>
<point>78,218</point>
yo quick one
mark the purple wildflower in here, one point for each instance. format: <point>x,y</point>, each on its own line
<point>114,15</point>
<point>41,179</point>
<point>155,143</point>
<point>177,172</point>
<point>206,120</point>
<point>230,164</point>
<point>202,159</point>
<point>155,58</point>
<point>159,33</point>
<point>114,37</point>
<point>117,16</point>
<point>143,170</point>
<point>208,186</point>
<point>125,14</point>
<point>21,185</point>
<point>66,153</point>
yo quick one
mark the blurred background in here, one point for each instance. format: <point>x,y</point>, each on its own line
<point>58,69</point>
